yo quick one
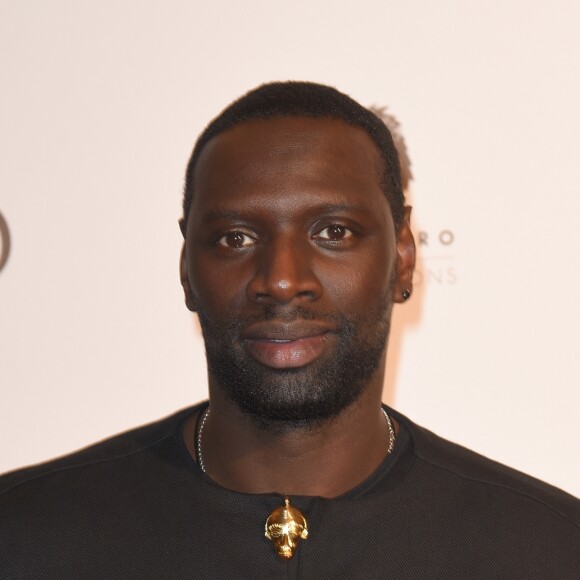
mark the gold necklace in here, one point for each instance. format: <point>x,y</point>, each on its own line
<point>286,525</point>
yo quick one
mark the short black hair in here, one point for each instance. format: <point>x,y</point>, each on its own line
<point>304,99</point>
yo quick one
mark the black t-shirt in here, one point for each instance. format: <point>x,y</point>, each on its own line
<point>138,506</point>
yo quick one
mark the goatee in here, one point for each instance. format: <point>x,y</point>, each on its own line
<point>301,396</point>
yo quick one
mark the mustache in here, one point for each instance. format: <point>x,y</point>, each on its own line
<point>292,314</point>
<point>283,314</point>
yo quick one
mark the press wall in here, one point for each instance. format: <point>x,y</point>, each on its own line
<point>99,107</point>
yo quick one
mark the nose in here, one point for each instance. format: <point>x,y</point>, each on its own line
<point>284,272</point>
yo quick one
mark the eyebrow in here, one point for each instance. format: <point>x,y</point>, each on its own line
<point>326,208</point>
<point>337,207</point>
<point>218,214</point>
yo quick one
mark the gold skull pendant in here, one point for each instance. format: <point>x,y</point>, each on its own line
<point>285,527</point>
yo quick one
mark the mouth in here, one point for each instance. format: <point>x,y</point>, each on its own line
<point>287,346</point>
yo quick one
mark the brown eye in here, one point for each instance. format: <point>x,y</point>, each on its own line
<point>235,240</point>
<point>335,232</point>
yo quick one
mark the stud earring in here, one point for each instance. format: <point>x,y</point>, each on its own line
<point>406,295</point>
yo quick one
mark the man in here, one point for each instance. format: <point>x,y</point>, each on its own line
<point>297,244</point>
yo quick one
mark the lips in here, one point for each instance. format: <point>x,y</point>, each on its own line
<point>293,345</point>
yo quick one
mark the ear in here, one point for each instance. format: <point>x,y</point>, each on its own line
<point>190,299</point>
<point>405,260</point>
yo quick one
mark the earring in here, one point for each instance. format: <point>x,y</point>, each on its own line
<point>406,295</point>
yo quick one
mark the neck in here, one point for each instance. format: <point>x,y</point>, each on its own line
<point>327,459</point>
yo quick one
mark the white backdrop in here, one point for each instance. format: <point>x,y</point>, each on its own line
<point>99,108</point>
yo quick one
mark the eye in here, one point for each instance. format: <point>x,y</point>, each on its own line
<point>276,530</point>
<point>236,240</point>
<point>334,233</point>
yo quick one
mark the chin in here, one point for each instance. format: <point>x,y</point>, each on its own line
<point>300,397</point>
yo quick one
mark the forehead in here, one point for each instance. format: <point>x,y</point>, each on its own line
<point>291,157</point>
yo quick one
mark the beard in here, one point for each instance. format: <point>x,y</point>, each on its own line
<point>306,395</point>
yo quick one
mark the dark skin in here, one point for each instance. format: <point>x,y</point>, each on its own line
<point>289,212</point>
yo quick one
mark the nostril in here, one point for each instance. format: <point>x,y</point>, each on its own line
<point>283,273</point>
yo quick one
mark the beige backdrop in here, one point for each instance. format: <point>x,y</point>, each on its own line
<point>99,107</point>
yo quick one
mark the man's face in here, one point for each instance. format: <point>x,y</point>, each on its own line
<point>292,261</point>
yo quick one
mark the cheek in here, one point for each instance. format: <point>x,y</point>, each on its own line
<point>218,287</point>
<point>356,285</point>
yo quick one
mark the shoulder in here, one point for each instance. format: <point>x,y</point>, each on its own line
<point>92,509</point>
<point>117,448</point>
<point>481,483</point>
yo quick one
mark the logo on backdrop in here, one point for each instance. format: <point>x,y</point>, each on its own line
<point>435,264</point>
<point>4,242</point>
